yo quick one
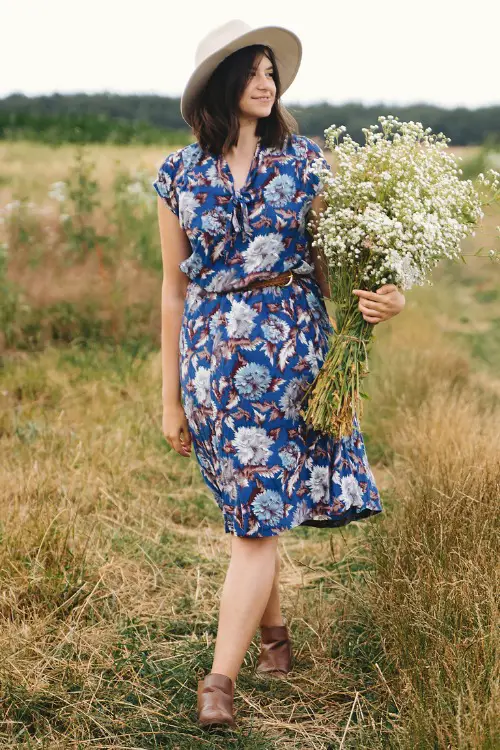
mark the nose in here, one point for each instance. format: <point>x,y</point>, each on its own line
<point>263,82</point>
<point>264,88</point>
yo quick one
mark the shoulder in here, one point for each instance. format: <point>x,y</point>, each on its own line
<point>295,147</point>
<point>173,179</point>
<point>304,147</point>
<point>177,162</point>
<point>311,163</point>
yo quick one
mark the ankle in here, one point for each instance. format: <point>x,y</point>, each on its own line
<point>272,623</point>
<point>225,673</point>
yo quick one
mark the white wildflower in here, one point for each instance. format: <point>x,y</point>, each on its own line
<point>58,191</point>
<point>396,205</point>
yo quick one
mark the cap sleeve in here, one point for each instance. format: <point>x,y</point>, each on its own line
<point>167,181</point>
<point>314,159</point>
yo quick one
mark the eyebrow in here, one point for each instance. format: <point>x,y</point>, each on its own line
<point>269,67</point>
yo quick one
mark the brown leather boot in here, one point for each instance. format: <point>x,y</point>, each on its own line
<point>275,656</point>
<point>215,700</point>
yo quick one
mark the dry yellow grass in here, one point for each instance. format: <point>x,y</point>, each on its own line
<point>31,168</point>
<point>112,554</point>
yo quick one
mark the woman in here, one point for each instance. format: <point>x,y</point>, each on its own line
<point>245,330</point>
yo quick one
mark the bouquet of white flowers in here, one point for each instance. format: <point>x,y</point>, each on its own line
<point>394,208</point>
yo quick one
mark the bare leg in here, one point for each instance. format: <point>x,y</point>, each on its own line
<point>246,591</point>
<point>272,613</point>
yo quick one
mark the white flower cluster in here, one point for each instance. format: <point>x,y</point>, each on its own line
<point>138,188</point>
<point>396,205</point>
<point>58,191</point>
<point>18,209</point>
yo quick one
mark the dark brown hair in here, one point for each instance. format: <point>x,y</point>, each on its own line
<point>214,118</point>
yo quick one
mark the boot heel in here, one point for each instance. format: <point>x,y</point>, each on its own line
<point>215,701</point>
<point>275,658</point>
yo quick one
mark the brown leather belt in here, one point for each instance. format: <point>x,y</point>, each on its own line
<point>281,279</point>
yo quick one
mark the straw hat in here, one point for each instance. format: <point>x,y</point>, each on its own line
<point>231,36</point>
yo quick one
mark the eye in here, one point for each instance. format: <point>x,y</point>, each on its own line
<point>270,73</point>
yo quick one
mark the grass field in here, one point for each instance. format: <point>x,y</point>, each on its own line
<point>112,553</point>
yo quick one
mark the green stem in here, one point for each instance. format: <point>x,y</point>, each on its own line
<point>334,393</point>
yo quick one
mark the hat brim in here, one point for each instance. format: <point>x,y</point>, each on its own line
<point>287,49</point>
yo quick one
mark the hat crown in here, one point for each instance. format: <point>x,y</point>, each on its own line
<point>219,37</point>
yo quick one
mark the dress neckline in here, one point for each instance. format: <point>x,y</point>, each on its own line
<point>225,168</point>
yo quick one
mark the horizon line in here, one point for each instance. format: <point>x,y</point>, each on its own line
<point>288,104</point>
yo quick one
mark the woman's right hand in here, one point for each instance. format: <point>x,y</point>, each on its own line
<point>175,428</point>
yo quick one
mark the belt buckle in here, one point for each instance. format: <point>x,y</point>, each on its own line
<point>290,280</point>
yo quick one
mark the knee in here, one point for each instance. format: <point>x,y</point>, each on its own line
<point>277,562</point>
<point>258,547</point>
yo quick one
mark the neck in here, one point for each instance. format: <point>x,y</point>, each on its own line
<point>247,138</point>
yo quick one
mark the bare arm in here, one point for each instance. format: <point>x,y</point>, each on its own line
<point>175,247</point>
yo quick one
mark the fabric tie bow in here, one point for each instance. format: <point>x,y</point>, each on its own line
<point>240,219</point>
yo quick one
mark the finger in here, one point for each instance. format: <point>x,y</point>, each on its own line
<point>379,306</point>
<point>373,314</point>
<point>175,444</point>
<point>386,289</point>
<point>381,291</point>
<point>179,447</point>
<point>185,450</point>
<point>185,441</point>
<point>186,444</point>
<point>372,319</point>
<point>366,295</point>
<point>185,435</point>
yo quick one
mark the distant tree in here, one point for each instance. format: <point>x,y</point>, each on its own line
<point>148,119</point>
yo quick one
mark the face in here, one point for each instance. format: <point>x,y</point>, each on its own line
<point>260,92</point>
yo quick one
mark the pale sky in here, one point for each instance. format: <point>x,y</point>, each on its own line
<point>442,52</point>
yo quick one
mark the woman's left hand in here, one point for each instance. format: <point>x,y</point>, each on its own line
<point>381,305</point>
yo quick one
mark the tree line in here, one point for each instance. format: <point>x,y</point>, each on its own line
<point>58,118</point>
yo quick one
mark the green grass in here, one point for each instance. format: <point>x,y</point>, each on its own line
<point>113,555</point>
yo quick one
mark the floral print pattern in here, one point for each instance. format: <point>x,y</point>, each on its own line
<point>246,357</point>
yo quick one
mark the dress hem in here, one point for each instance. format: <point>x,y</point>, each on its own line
<point>332,523</point>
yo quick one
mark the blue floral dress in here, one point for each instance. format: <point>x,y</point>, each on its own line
<point>246,357</point>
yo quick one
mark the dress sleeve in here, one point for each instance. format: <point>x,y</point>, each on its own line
<point>314,159</point>
<point>166,181</point>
